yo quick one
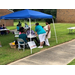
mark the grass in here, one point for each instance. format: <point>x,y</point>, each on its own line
<point>8,55</point>
<point>72,62</point>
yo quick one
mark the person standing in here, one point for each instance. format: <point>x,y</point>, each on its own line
<point>41,33</point>
<point>48,33</point>
<point>32,34</point>
<point>19,24</point>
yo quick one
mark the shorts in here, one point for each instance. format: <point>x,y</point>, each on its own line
<point>42,37</point>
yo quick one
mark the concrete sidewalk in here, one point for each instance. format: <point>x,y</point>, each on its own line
<point>58,55</point>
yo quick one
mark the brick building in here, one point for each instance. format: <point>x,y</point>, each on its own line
<point>5,22</point>
<point>65,16</point>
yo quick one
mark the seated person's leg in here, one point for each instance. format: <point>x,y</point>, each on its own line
<point>29,39</point>
<point>2,32</point>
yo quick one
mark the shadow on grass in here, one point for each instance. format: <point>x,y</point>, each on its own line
<point>71,33</point>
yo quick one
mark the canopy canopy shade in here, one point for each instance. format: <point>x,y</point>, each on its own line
<point>25,14</point>
<point>29,14</point>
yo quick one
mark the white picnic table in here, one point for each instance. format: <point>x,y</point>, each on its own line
<point>3,29</point>
<point>71,29</point>
<point>31,36</point>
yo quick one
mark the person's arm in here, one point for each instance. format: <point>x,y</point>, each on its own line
<point>36,34</point>
<point>26,38</point>
<point>48,30</point>
<point>32,32</point>
<point>35,31</point>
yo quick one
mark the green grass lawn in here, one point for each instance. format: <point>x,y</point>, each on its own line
<point>72,62</point>
<point>8,55</point>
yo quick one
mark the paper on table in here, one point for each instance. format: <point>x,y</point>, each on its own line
<point>31,36</point>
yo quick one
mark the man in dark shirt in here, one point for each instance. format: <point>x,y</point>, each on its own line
<point>1,32</point>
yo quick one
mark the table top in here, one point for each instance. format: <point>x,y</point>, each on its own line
<point>3,29</point>
<point>31,36</point>
<point>71,28</point>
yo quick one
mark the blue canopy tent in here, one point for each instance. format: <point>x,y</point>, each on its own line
<point>29,14</point>
<point>25,14</point>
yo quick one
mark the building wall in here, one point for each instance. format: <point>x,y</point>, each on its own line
<point>65,16</point>
<point>5,22</point>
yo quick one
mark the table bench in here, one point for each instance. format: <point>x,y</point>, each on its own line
<point>3,30</point>
<point>71,29</point>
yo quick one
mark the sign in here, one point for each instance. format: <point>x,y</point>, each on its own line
<point>32,44</point>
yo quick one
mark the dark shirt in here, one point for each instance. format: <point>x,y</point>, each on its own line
<point>28,32</point>
<point>1,27</point>
<point>19,24</point>
<point>23,36</point>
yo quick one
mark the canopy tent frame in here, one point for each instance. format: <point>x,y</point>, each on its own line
<point>53,26</point>
<point>30,16</point>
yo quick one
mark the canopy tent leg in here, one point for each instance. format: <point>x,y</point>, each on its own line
<point>54,31</point>
<point>30,30</point>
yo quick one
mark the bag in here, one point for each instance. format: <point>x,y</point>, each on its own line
<point>16,42</point>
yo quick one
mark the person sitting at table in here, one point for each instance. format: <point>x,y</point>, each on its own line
<point>7,31</point>
<point>32,33</point>
<point>23,36</point>
<point>18,27</point>
<point>1,27</point>
<point>1,31</point>
<point>20,31</point>
<point>26,25</point>
<point>4,26</point>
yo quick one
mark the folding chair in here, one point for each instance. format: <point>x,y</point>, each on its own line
<point>19,43</point>
<point>16,33</point>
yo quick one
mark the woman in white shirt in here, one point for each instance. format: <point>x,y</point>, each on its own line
<point>48,33</point>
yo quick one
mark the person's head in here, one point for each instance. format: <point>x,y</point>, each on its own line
<point>17,25</point>
<point>3,25</point>
<point>0,25</point>
<point>47,22</point>
<point>19,21</point>
<point>21,29</point>
<point>37,24</point>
